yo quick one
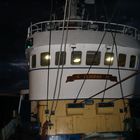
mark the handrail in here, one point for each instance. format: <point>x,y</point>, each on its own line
<point>9,129</point>
<point>83,25</point>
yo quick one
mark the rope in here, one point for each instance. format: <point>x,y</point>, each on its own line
<point>122,98</point>
<point>96,54</point>
<point>90,67</point>
<point>114,41</point>
<point>44,132</point>
<point>50,35</point>
<point>126,78</point>
<point>59,59</point>
<point>107,74</point>
<point>60,81</point>
<point>121,88</point>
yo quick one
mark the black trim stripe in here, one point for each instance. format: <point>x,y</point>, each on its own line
<point>52,68</point>
<point>79,99</point>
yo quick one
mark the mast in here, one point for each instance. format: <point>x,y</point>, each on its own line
<point>86,7</point>
<point>73,9</point>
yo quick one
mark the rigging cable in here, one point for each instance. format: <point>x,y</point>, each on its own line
<point>113,13</point>
<point>90,67</point>
<point>94,57</point>
<point>124,97</point>
<point>107,74</point>
<point>60,81</point>
<point>50,36</point>
<point>121,88</point>
<point>122,80</point>
<point>114,41</point>
<point>54,94</point>
<point>46,123</point>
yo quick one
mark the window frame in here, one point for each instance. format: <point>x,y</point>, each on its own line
<point>63,54</point>
<point>33,61</point>
<point>120,64</point>
<point>42,63</point>
<point>74,57</point>
<point>131,65</point>
<point>105,57</point>
<point>98,57</point>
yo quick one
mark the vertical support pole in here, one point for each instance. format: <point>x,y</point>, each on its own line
<point>20,100</point>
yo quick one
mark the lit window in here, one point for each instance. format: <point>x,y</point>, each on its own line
<point>60,58</point>
<point>76,57</point>
<point>45,59</point>
<point>109,58</point>
<point>33,61</point>
<point>132,61</point>
<point>122,60</point>
<point>93,58</point>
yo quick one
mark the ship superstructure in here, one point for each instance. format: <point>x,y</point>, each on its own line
<point>79,71</point>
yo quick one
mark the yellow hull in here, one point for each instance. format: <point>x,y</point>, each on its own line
<point>88,119</point>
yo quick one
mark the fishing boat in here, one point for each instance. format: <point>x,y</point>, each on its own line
<point>81,75</point>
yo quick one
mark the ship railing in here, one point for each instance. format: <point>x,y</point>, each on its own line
<point>83,25</point>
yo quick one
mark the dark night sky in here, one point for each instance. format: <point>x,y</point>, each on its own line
<point>16,16</point>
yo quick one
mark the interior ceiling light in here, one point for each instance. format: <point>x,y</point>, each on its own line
<point>47,57</point>
<point>77,60</point>
<point>110,59</point>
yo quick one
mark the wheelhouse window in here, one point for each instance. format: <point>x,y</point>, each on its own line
<point>93,58</point>
<point>45,59</point>
<point>109,58</point>
<point>132,61</point>
<point>122,60</point>
<point>33,61</point>
<point>60,58</point>
<point>76,57</point>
